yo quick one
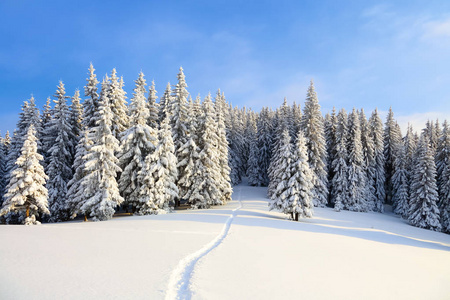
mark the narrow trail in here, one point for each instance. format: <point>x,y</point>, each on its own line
<point>179,281</point>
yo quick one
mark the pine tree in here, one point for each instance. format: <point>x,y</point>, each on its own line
<point>423,211</point>
<point>61,159</point>
<point>339,184</point>
<point>101,193</point>
<point>91,103</point>
<point>26,190</point>
<point>376,133</point>
<point>153,107</point>
<point>299,201</point>
<point>159,175</point>
<point>312,124</point>
<point>282,173</point>
<point>118,104</point>
<point>137,142</point>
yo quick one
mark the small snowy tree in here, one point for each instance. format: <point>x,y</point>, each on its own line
<point>400,184</point>
<point>137,142</point>
<point>101,193</point>
<point>299,201</point>
<point>423,210</point>
<point>76,120</point>
<point>26,190</point>
<point>91,103</point>
<point>159,175</point>
<point>153,107</point>
<point>312,124</point>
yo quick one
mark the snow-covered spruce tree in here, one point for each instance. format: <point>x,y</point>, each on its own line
<point>297,116</point>
<point>118,104</point>
<point>153,107</point>
<point>101,193</point>
<point>312,124</point>
<point>369,161</point>
<point>264,144</point>
<point>190,152</point>
<point>299,199</point>
<point>357,179</point>
<point>254,170</point>
<point>376,133</point>
<point>330,124</point>
<point>400,196</point>
<point>137,142</point>
<point>159,175</point>
<point>164,103</point>
<point>75,191</point>
<point>410,148</point>
<point>211,192</point>
<point>392,140</point>
<point>76,120</point>
<point>91,103</point>
<point>443,177</point>
<point>178,119</point>
<point>423,211</point>
<point>26,190</point>
<point>3,175</point>
<point>59,169</point>
<point>236,142</point>
<point>275,159</point>
<point>222,149</point>
<point>46,141</point>
<point>282,173</point>
<point>339,164</point>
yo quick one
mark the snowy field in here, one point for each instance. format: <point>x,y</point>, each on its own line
<point>238,251</point>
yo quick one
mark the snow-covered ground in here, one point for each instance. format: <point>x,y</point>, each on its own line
<point>238,251</point>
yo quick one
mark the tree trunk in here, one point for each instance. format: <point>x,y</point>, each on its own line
<point>28,211</point>
<point>292,215</point>
<point>296,216</point>
<point>85,218</point>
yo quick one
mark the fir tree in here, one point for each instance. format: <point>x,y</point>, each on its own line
<point>46,141</point>
<point>368,147</point>
<point>159,175</point>
<point>26,190</point>
<point>312,124</point>
<point>101,193</point>
<point>76,120</point>
<point>61,159</point>
<point>376,133</point>
<point>443,177</point>
<point>264,143</point>
<point>299,199</point>
<point>137,142</point>
<point>423,210</point>
<point>164,103</point>
<point>331,124</point>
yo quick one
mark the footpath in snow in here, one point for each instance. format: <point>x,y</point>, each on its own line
<point>237,251</point>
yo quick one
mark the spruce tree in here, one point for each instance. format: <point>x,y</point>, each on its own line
<point>400,185</point>
<point>298,200</point>
<point>137,142</point>
<point>282,173</point>
<point>60,157</point>
<point>264,144</point>
<point>423,210</point>
<point>118,104</point>
<point>76,120</point>
<point>159,175</point>
<point>392,140</point>
<point>91,103</point>
<point>26,189</point>
<point>164,103</point>
<point>153,107</point>
<point>368,147</point>
<point>46,141</point>
<point>312,124</point>
<point>331,123</point>
<point>101,194</point>
<point>376,133</point>
<point>443,177</point>
<point>339,183</point>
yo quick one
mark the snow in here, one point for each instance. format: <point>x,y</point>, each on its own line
<point>236,251</point>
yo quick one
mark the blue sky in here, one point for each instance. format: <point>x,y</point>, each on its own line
<point>363,54</point>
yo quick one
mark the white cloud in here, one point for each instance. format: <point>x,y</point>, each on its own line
<point>418,120</point>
